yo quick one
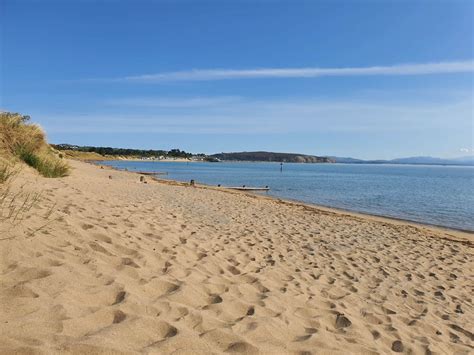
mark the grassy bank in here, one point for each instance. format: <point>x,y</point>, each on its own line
<point>23,141</point>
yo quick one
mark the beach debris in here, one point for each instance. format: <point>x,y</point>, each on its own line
<point>142,178</point>
<point>245,188</point>
<point>110,176</point>
<point>152,172</point>
<point>342,321</point>
<point>397,346</point>
<point>191,182</point>
<point>459,309</point>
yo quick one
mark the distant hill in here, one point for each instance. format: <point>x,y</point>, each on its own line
<point>272,157</point>
<point>411,160</point>
<point>125,152</point>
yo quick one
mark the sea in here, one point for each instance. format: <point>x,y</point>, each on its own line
<point>429,194</point>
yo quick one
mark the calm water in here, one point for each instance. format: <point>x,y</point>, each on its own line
<point>437,195</point>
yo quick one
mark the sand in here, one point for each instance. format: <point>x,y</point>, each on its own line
<point>127,267</point>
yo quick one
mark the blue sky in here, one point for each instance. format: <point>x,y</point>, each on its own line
<point>368,79</point>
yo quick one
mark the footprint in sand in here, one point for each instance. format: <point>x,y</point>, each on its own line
<point>129,262</point>
<point>462,331</point>
<point>397,346</point>
<point>119,297</point>
<point>20,290</point>
<point>302,338</point>
<point>103,238</point>
<point>342,321</point>
<point>99,248</point>
<point>35,274</point>
<point>214,299</point>
<point>119,317</point>
<point>86,226</point>
<point>251,311</point>
<point>241,347</point>
<point>162,287</point>
<point>166,330</point>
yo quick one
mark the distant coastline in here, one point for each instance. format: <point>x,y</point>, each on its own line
<point>261,156</point>
<point>92,153</point>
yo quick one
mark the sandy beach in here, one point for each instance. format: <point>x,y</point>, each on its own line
<point>120,266</point>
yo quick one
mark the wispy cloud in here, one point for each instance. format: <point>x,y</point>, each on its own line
<point>266,116</point>
<point>160,102</point>
<point>310,72</point>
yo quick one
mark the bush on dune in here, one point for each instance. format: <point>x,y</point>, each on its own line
<point>25,141</point>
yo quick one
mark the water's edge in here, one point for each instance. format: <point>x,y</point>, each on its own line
<point>297,202</point>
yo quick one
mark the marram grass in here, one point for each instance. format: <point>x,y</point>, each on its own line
<point>26,141</point>
<point>48,166</point>
<point>6,171</point>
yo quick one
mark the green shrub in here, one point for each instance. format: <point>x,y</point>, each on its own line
<point>53,167</point>
<point>29,157</point>
<point>47,166</point>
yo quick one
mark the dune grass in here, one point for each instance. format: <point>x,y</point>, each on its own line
<point>78,155</point>
<point>22,140</point>
<point>15,206</point>
<point>46,166</point>
<point>6,171</point>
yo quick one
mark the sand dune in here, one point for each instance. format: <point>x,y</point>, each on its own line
<point>128,267</point>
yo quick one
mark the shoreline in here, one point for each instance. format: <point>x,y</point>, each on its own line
<point>463,233</point>
<point>441,228</point>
